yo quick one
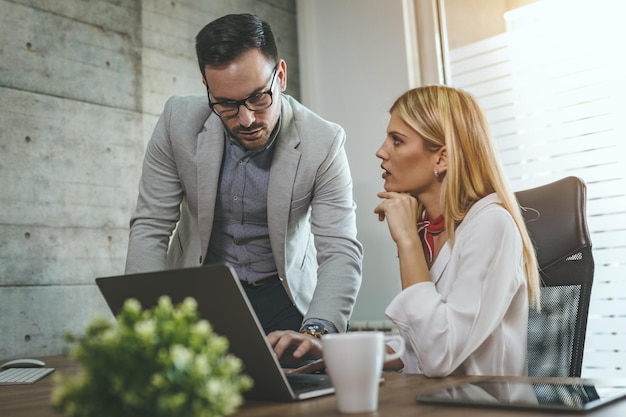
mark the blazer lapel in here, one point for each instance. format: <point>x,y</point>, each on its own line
<point>210,152</point>
<point>282,177</point>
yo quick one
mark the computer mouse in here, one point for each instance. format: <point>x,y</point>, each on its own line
<point>23,363</point>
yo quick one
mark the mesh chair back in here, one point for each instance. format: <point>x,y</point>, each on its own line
<point>555,215</point>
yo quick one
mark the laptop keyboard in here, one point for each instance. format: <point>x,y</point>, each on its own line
<point>23,375</point>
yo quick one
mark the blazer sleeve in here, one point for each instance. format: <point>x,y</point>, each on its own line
<point>158,202</point>
<point>339,253</point>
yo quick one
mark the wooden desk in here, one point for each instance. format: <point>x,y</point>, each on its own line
<point>396,399</point>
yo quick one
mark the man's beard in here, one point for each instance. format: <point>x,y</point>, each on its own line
<point>247,144</point>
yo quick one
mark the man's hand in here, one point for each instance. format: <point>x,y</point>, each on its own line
<point>293,346</point>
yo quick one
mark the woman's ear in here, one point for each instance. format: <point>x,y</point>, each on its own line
<point>442,160</point>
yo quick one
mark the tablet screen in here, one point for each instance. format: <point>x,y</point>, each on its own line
<point>566,396</point>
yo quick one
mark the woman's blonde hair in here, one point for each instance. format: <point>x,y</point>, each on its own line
<point>446,116</point>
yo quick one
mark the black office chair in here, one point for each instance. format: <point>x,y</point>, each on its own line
<point>555,215</point>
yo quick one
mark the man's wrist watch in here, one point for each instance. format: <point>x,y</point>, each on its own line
<point>316,330</point>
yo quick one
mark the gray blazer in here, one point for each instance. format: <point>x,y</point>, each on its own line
<point>311,212</point>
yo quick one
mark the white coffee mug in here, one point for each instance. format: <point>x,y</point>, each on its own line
<point>354,362</point>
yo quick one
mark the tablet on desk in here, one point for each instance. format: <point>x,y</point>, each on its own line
<point>549,396</point>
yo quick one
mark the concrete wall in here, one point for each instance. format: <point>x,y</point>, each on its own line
<point>81,87</point>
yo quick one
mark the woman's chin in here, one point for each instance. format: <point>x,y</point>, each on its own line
<point>390,188</point>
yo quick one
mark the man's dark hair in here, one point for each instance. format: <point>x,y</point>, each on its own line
<point>227,38</point>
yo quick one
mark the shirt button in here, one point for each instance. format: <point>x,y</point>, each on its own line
<point>235,197</point>
<point>240,162</point>
<point>233,221</point>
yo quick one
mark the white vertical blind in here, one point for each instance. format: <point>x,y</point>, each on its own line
<point>553,89</point>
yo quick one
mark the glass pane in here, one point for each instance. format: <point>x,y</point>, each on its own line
<point>550,76</point>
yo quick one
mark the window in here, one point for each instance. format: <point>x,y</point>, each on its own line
<point>552,85</point>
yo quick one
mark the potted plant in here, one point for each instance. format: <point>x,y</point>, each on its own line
<point>161,362</point>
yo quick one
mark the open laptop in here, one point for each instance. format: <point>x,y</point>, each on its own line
<point>544,394</point>
<point>223,302</point>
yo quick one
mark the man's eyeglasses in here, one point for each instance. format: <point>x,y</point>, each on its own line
<point>255,102</point>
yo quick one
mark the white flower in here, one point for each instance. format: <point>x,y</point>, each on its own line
<point>201,364</point>
<point>145,329</point>
<point>132,305</point>
<point>214,387</point>
<point>201,328</point>
<point>181,356</point>
<point>189,304</point>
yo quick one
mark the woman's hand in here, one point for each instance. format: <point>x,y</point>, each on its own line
<point>400,210</point>
<point>293,346</point>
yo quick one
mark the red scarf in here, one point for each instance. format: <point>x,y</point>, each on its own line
<point>427,229</point>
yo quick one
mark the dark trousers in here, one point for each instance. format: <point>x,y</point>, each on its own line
<point>273,307</point>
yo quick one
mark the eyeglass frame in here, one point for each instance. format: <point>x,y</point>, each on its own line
<point>240,103</point>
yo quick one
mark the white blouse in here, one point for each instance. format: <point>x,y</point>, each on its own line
<point>472,318</point>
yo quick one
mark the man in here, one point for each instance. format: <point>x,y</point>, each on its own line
<point>253,178</point>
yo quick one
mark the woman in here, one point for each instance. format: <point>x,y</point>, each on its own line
<point>468,270</point>
<point>467,265</point>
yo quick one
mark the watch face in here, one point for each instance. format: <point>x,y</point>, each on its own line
<point>315,328</point>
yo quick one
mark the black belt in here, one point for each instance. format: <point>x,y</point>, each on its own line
<point>259,282</point>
